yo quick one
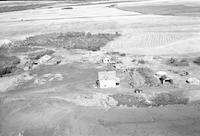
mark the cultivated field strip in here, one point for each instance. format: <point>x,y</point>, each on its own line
<point>156,39</point>
<point>149,39</point>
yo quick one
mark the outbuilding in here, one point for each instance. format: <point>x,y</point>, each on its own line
<point>107,79</point>
<point>44,59</point>
<point>193,81</point>
<point>165,79</point>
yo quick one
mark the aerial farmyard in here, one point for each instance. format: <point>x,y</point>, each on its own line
<point>100,68</point>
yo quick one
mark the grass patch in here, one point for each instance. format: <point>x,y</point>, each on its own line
<point>142,77</point>
<point>3,50</point>
<point>148,76</point>
<point>129,100</point>
<point>168,99</point>
<point>160,99</point>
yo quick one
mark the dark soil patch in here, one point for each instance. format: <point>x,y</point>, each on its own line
<point>70,40</point>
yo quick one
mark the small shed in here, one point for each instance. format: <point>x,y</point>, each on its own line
<point>193,81</point>
<point>107,79</point>
<point>44,59</point>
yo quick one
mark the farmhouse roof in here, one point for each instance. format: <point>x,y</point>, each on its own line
<point>107,75</point>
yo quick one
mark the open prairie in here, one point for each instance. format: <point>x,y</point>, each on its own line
<point>51,53</point>
<point>141,31</point>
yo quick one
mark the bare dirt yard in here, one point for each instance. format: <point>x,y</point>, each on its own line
<point>51,53</point>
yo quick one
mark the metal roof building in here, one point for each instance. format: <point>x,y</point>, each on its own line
<point>107,79</point>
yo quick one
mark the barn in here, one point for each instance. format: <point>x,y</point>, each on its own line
<point>107,79</point>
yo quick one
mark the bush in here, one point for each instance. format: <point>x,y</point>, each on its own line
<point>116,53</point>
<point>134,60</point>
<point>197,61</point>
<point>123,54</point>
<point>141,62</point>
<point>177,62</point>
<point>67,8</point>
<point>8,64</point>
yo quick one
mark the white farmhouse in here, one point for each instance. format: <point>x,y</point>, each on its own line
<point>107,79</point>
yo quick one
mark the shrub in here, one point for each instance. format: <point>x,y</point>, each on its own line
<point>8,64</point>
<point>197,61</point>
<point>177,62</point>
<point>67,8</point>
<point>123,54</point>
<point>134,60</point>
<point>141,62</point>
<point>116,53</point>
